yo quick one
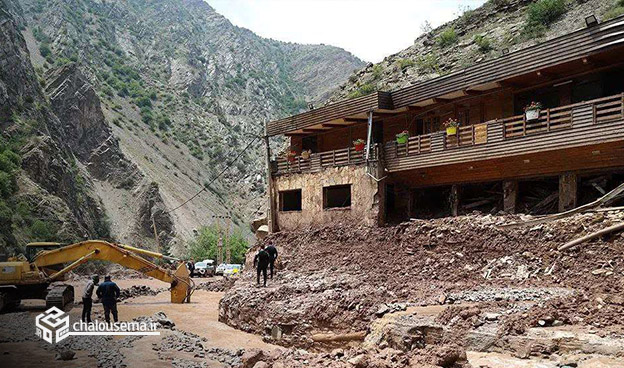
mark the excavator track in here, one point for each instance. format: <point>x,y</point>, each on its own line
<point>59,296</point>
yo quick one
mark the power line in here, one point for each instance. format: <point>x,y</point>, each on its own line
<point>216,177</point>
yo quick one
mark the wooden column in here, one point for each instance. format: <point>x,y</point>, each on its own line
<point>510,196</point>
<point>272,212</point>
<point>410,201</point>
<point>454,200</point>
<point>567,191</point>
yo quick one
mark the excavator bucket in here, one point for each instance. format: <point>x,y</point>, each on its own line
<point>181,288</point>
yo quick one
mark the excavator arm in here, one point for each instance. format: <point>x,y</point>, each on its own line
<point>124,255</point>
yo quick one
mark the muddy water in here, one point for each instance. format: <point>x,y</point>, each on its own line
<point>199,317</point>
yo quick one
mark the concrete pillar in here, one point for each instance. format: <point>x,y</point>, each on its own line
<point>567,191</point>
<point>454,200</point>
<point>510,196</point>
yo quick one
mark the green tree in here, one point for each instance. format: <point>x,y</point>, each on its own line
<point>204,246</point>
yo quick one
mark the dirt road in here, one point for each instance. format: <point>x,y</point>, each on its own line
<point>200,318</point>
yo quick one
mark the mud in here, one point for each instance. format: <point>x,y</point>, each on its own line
<point>340,279</point>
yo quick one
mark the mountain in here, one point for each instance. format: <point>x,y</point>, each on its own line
<point>475,36</point>
<point>143,102</point>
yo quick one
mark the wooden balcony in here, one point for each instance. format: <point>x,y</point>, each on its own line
<point>321,160</point>
<point>585,123</point>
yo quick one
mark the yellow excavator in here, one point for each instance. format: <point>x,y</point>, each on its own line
<point>35,275</point>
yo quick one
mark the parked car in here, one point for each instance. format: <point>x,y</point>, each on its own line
<point>232,269</point>
<point>205,268</point>
<point>220,268</point>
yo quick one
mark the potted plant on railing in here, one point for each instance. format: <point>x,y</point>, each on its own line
<point>402,137</point>
<point>532,111</point>
<point>292,156</point>
<point>305,154</point>
<point>359,144</point>
<point>451,126</point>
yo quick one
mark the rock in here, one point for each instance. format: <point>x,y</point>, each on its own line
<point>261,364</point>
<point>491,316</point>
<point>251,357</point>
<point>442,299</point>
<point>65,355</point>
<point>359,361</point>
<point>276,333</point>
<point>383,309</point>
<point>163,320</point>
<point>337,353</point>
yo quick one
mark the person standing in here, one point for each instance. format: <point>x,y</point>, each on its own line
<point>108,292</point>
<point>87,301</point>
<point>272,257</point>
<point>261,262</point>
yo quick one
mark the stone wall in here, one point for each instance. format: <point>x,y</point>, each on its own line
<point>365,198</point>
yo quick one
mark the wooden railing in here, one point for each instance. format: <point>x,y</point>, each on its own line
<point>467,136</point>
<point>604,109</point>
<point>414,146</point>
<point>341,157</point>
<point>608,108</point>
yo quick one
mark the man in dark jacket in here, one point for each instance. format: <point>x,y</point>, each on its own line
<point>108,292</point>
<point>87,300</point>
<point>261,262</point>
<point>272,257</point>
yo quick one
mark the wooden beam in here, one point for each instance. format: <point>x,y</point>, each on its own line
<point>334,125</point>
<point>467,92</point>
<point>314,130</point>
<point>441,100</point>
<point>355,120</point>
<point>543,74</point>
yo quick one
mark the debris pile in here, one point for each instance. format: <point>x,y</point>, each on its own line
<point>217,284</point>
<point>440,356</point>
<point>338,278</point>
<point>138,290</point>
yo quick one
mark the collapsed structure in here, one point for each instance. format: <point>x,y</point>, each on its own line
<point>552,113</point>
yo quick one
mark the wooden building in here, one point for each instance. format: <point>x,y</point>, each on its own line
<point>495,161</point>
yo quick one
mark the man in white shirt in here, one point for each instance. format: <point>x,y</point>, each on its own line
<point>87,300</point>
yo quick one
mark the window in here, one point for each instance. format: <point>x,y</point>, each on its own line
<point>290,200</point>
<point>337,196</point>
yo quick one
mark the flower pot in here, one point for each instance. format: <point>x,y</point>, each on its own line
<point>359,147</point>
<point>305,155</point>
<point>292,158</point>
<point>402,139</point>
<point>451,130</point>
<point>532,114</point>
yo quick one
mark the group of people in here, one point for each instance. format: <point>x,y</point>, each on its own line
<point>265,258</point>
<point>108,292</point>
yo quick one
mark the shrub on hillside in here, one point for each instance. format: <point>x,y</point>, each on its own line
<point>541,14</point>
<point>405,63</point>
<point>483,43</point>
<point>447,37</point>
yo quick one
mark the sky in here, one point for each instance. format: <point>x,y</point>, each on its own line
<point>370,29</point>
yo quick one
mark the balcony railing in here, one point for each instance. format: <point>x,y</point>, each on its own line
<point>317,161</point>
<point>603,110</point>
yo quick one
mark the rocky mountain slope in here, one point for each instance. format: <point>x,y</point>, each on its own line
<point>148,101</point>
<point>474,36</point>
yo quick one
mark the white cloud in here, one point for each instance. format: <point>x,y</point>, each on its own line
<point>370,29</point>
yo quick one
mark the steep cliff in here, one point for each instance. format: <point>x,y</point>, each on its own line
<point>183,90</point>
<point>135,106</point>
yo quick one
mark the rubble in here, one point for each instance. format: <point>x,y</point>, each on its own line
<point>138,290</point>
<point>339,278</point>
